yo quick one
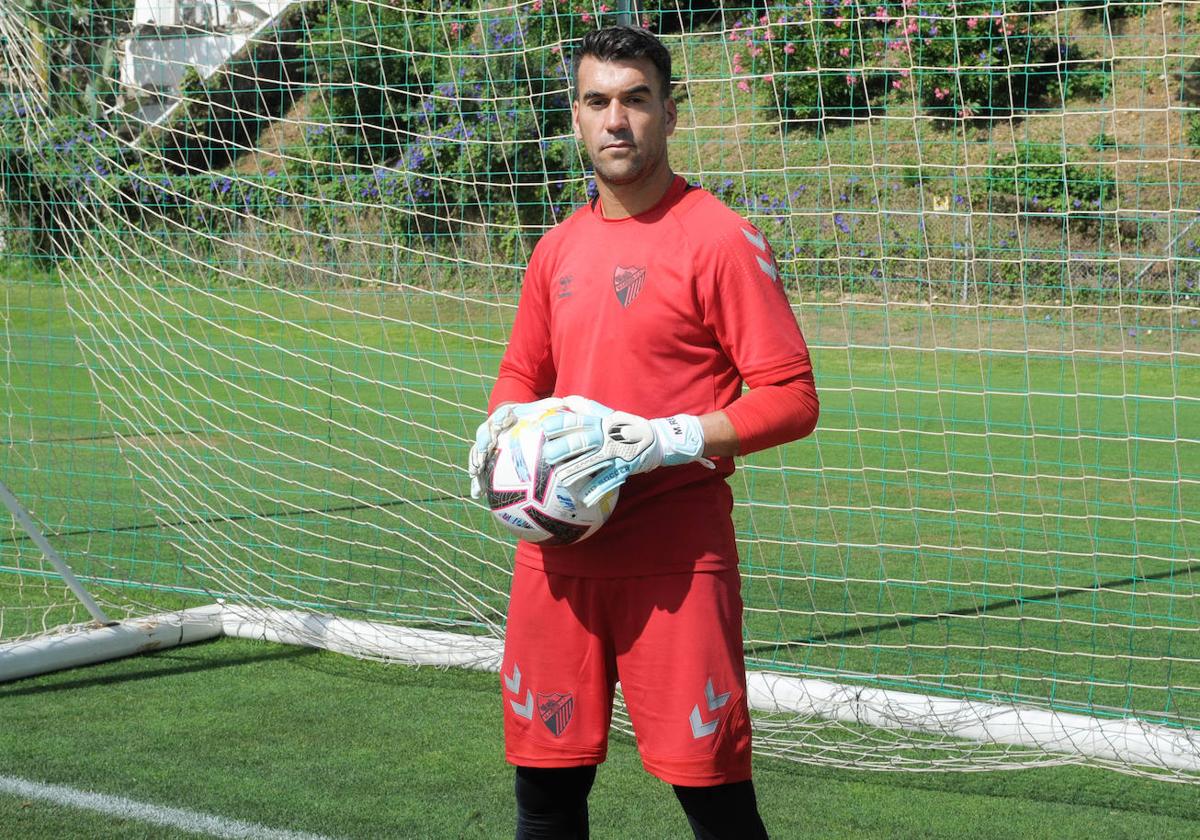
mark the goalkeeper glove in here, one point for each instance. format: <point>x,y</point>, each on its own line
<point>505,417</point>
<point>605,449</point>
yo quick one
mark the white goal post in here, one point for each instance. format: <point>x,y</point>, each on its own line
<point>1125,741</point>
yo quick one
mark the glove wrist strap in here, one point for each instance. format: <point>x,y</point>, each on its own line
<point>681,437</point>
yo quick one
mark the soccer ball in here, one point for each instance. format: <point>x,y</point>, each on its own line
<point>526,498</point>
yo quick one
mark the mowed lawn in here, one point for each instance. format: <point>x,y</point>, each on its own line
<point>315,742</point>
<point>991,507</point>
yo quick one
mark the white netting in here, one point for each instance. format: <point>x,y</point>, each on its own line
<point>252,312</point>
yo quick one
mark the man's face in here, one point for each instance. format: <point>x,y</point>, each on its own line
<point>622,118</point>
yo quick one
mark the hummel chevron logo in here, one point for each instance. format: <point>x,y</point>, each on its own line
<point>524,710</point>
<point>767,268</point>
<point>514,682</point>
<point>756,239</point>
<point>715,701</point>
<point>701,727</point>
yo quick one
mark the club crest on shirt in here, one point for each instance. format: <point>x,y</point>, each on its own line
<point>628,282</point>
<point>555,710</point>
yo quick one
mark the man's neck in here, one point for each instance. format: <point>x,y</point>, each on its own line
<point>620,201</point>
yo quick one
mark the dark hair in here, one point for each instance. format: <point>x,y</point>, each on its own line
<point>617,43</point>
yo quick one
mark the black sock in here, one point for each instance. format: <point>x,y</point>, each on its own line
<point>552,802</point>
<point>722,812</point>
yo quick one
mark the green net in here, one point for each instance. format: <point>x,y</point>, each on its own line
<point>260,260</point>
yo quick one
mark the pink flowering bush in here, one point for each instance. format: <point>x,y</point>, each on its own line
<point>976,61</point>
<point>814,53</point>
<point>957,59</point>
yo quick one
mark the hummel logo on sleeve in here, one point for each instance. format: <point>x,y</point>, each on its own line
<point>756,239</point>
<point>564,285</point>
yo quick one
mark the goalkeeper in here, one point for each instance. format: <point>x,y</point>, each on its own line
<point>656,303</point>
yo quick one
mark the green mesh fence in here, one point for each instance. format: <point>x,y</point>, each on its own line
<point>259,264</point>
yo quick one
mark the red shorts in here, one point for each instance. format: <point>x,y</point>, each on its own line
<point>674,642</point>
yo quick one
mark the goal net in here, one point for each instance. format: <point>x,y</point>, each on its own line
<point>260,260</point>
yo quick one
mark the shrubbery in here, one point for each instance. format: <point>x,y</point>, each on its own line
<point>450,133</point>
<point>451,119</point>
<point>956,59</point>
<point>1043,182</point>
<point>53,177</point>
<point>432,124</point>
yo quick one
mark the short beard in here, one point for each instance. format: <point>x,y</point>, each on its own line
<point>643,168</point>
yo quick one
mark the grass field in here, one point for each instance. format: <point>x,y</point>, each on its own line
<point>986,521</point>
<point>315,742</point>
<point>994,506</point>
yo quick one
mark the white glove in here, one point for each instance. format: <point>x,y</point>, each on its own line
<point>605,449</point>
<point>505,417</point>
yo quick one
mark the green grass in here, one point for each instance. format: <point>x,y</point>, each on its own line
<point>990,507</point>
<point>311,741</point>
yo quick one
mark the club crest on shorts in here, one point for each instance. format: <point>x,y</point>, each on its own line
<point>556,710</point>
<point>628,282</point>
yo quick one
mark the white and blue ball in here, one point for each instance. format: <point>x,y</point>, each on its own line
<point>525,497</point>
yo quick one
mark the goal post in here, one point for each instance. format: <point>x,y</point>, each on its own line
<point>251,309</point>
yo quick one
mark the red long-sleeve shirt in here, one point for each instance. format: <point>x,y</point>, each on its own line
<point>670,311</point>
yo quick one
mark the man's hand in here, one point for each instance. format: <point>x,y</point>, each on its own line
<point>605,449</point>
<point>506,416</point>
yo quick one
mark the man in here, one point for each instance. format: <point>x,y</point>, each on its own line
<point>653,301</point>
